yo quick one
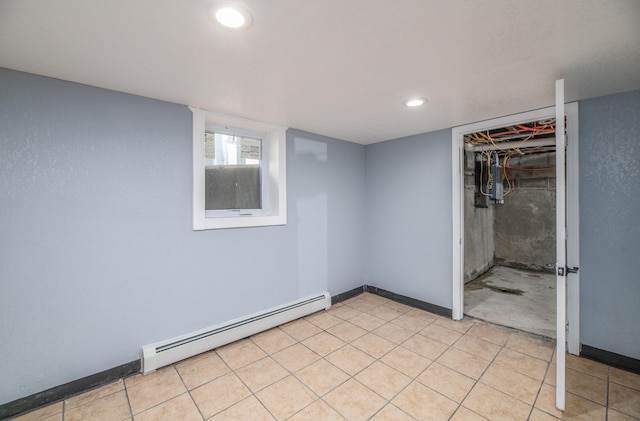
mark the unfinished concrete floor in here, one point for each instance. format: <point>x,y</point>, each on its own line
<point>515,298</point>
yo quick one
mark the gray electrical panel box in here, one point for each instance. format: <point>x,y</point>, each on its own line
<point>496,191</point>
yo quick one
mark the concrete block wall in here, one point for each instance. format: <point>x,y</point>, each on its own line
<point>525,233</point>
<point>519,233</point>
<point>479,247</point>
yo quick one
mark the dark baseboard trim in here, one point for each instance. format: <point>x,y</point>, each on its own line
<point>67,390</point>
<point>335,299</point>
<point>422,305</point>
<point>611,358</point>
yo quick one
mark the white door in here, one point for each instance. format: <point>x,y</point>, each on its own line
<point>561,247</point>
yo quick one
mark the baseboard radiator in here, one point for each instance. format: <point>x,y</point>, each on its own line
<point>173,350</point>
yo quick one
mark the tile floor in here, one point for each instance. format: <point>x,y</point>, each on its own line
<point>366,358</point>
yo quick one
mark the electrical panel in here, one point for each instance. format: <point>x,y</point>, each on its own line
<point>496,190</point>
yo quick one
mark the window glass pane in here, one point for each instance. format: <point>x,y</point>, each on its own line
<point>232,172</point>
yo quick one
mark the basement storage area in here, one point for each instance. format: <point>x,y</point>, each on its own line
<point>509,226</point>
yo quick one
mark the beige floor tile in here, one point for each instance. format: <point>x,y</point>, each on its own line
<point>464,414</point>
<point>179,408</point>
<point>550,378</point>
<point>402,308</point>
<point>538,415</point>
<point>494,334</point>
<point>374,298</point>
<point>273,340</point>
<point>406,361</point>
<point>153,389</point>
<point>300,329</point>
<point>384,380</point>
<point>393,333</point>
<point>114,407</point>
<point>521,363</point>
<point>321,377</point>
<point>295,357</point>
<point>512,383</point>
<point>589,367</point>
<point>350,359</point>
<point>351,300</point>
<point>576,408</point>
<point>344,312</point>
<point>94,394</point>
<point>441,334</point>
<point>361,304</point>
<point>219,394</point>
<point>461,326</point>
<point>354,401</point>
<point>385,313</point>
<point>247,409</point>
<point>423,403</point>
<point>613,415</point>
<point>495,405</point>
<point>531,345</point>
<point>412,322</point>
<point>319,410</point>
<point>586,386</point>
<point>286,397</point>
<point>423,314</point>
<point>367,321</point>
<point>392,413</point>
<point>240,353</point>
<point>625,378</point>
<point>323,319</point>
<point>424,346</point>
<point>323,343</point>
<point>624,399</point>
<point>477,347</point>
<point>55,417</point>
<point>201,369</point>
<point>53,411</point>
<point>467,364</point>
<point>261,374</point>
<point>346,331</point>
<point>446,381</point>
<point>373,345</point>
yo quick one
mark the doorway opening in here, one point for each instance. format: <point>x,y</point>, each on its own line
<point>571,217</point>
<point>510,226</point>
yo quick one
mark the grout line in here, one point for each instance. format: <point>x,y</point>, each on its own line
<point>126,393</point>
<point>187,388</point>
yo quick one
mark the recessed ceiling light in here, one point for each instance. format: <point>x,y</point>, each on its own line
<point>415,102</point>
<point>230,14</point>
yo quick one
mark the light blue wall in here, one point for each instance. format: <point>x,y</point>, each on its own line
<point>97,255</point>
<point>610,223</point>
<point>327,177</point>
<point>409,220</point>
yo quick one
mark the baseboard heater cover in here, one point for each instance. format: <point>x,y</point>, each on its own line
<point>167,352</point>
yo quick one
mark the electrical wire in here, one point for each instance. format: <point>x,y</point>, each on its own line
<point>523,131</point>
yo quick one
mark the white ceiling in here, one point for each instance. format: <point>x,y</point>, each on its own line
<point>339,68</point>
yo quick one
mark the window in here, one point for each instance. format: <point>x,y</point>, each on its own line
<point>239,177</point>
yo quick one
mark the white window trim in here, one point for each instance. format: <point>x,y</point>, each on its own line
<point>275,145</point>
